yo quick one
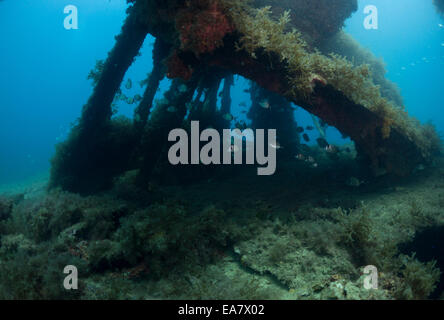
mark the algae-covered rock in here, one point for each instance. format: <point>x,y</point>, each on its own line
<point>7,203</point>
<point>353,290</point>
<point>5,208</point>
<point>10,244</point>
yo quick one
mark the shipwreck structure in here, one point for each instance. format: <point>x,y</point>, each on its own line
<point>294,51</point>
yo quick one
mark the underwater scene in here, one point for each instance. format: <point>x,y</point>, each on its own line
<point>221,149</point>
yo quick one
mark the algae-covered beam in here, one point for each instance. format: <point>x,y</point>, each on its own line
<point>212,83</point>
<point>160,52</point>
<point>98,149</point>
<point>226,94</point>
<point>206,111</point>
<point>395,153</point>
<point>128,43</point>
<point>167,115</point>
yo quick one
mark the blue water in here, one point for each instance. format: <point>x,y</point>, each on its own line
<point>409,36</point>
<point>44,68</point>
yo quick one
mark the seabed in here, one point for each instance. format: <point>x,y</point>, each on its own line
<point>303,233</point>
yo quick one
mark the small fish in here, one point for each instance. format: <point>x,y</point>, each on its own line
<point>244,111</point>
<point>403,68</point>
<point>130,100</point>
<point>314,165</point>
<point>265,104</point>
<point>310,159</point>
<point>275,145</point>
<point>137,98</point>
<point>322,143</point>
<point>440,25</point>
<point>309,128</point>
<point>306,137</point>
<point>299,129</point>
<point>246,90</point>
<point>183,88</point>
<point>331,149</point>
<point>129,84</point>
<point>243,104</point>
<point>300,156</point>
<point>228,117</point>
<point>172,109</point>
